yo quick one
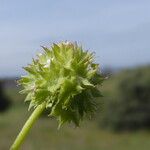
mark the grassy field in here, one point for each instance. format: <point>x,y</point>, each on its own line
<point>45,136</point>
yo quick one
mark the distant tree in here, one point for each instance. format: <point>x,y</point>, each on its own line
<point>4,101</point>
<point>128,105</point>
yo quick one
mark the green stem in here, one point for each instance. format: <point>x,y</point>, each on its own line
<point>23,133</point>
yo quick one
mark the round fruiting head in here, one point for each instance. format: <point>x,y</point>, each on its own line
<point>66,78</point>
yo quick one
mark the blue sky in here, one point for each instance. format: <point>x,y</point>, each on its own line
<point>117,31</point>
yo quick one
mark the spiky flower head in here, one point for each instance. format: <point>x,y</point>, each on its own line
<point>66,79</point>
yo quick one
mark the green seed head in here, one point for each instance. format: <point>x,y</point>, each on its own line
<point>66,78</point>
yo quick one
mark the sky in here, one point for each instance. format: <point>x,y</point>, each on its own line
<point>117,31</point>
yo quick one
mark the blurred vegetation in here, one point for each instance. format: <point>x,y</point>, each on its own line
<point>127,100</point>
<point>4,101</point>
<point>45,136</point>
<point>126,106</point>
